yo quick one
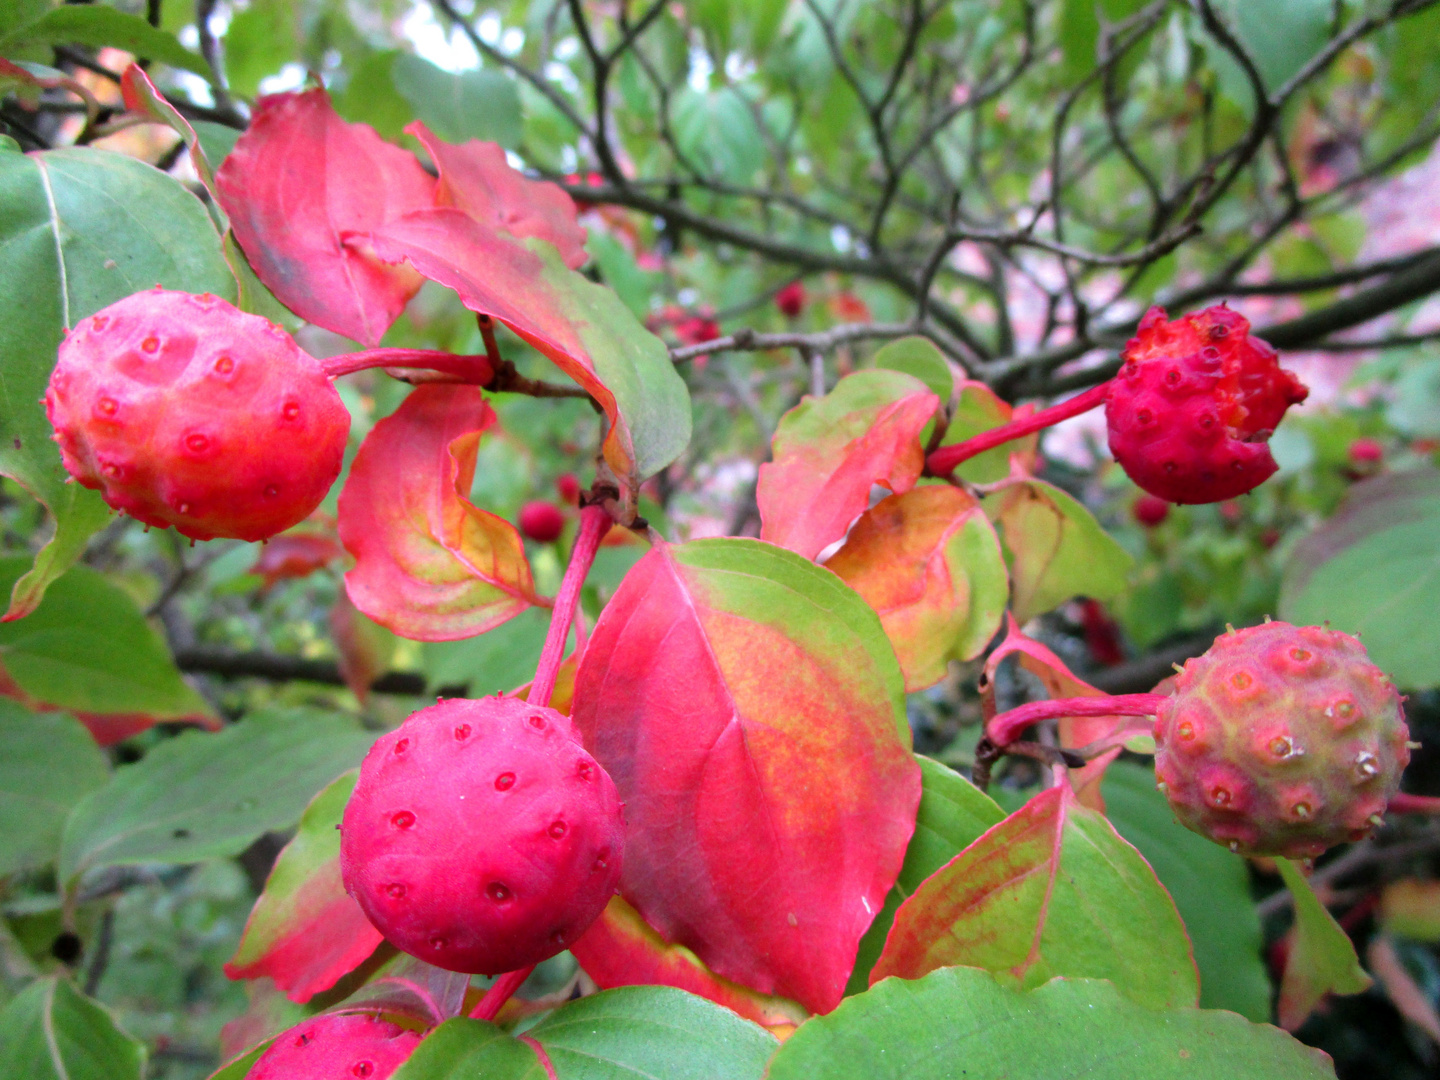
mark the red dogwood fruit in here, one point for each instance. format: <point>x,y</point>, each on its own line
<point>567,486</point>
<point>791,299</point>
<point>541,521</point>
<point>1191,410</point>
<point>184,411</point>
<point>481,837</point>
<point>1281,740</point>
<point>1150,510</point>
<point>336,1046</point>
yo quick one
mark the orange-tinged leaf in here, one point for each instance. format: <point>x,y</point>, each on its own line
<point>303,189</point>
<point>928,561</point>
<point>1051,890</point>
<point>430,565</point>
<point>305,932</point>
<point>829,452</point>
<point>751,712</point>
<point>622,949</point>
<point>476,179</point>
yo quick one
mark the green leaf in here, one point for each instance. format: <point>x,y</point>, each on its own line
<point>1374,569</point>
<point>87,647</point>
<point>1051,890</point>
<point>1210,887</point>
<point>260,40</point>
<point>953,814</point>
<point>494,662</point>
<point>80,229</point>
<point>1280,38</point>
<point>202,796</point>
<point>54,1032</point>
<point>101,25</point>
<point>240,1067</point>
<point>960,1023</point>
<point>980,409</point>
<point>465,1049</point>
<point>458,106</point>
<point>49,763</point>
<point>369,96</point>
<point>652,1031</point>
<point>1080,30</point>
<point>919,357</point>
<point>1056,547</point>
<point>1322,957</point>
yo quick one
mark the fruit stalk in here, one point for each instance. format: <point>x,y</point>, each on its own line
<point>489,1006</point>
<point>943,461</point>
<point>1006,727</point>
<point>594,524</point>
<point>478,370</point>
<point>1402,802</point>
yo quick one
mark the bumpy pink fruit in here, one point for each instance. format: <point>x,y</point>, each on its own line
<point>481,837</point>
<point>336,1046</point>
<point>1281,740</point>
<point>1191,410</point>
<point>183,410</point>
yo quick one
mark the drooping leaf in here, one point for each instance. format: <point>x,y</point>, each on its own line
<point>928,561</point>
<point>919,357</point>
<point>1374,569</point>
<point>203,796</point>
<point>305,931</point>
<point>953,815</point>
<point>465,1049</point>
<point>1210,887</point>
<point>141,96</point>
<point>622,949</point>
<point>80,228</point>
<point>963,1024</point>
<point>51,1031</point>
<point>652,1031</point>
<point>460,105</point>
<point>476,179</point>
<point>1040,895</point>
<point>303,189</point>
<point>829,451</point>
<point>429,564</point>
<point>583,327</point>
<point>1322,958</point>
<point>1057,549</point>
<point>88,648</point>
<point>750,710</point>
<point>102,25</point>
<point>49,764</point>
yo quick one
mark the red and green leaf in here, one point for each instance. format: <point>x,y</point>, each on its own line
<point>929,563</point>
<point>1321,958</point>
<point>1051,890</point>
<point>751,712</point>
<point>476,179</point>
<point>305,931</point>
<point>430,565</point>
<point>583,327</point>
<point>829,452</point>
<point>303,190</point>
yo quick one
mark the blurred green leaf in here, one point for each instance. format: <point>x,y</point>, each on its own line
<point>480,104</point>
<point>49,764</point>
<point>262,38</point>
<point>101,25</point>
<point>54,1032</point>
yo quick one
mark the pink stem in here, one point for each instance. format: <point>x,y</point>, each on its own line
<point>1403,802</point>
<point>594,524</point>
<point>489,1006</point>
<point>1007,726</point>
<point>943,461</point>
<point>473,369</point>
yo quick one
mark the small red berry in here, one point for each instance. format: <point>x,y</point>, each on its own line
<point>567,486</point>
<point>697,329</point>
<point>338,1046</point>
<point>791,299</point>
<point>1150,510</point>
<point>541,521</point>
<point>1365,452</point>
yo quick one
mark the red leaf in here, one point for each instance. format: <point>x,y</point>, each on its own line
<point>751,712</point>
<point>476,179</point>
<point>622,949</point>
<point>430,565</point>
<point>829,451</point>
<point>294,555</point>
<point>106,729</point>
<point>303,188</point>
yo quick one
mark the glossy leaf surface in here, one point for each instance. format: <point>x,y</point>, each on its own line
<point>202,795</point>
<point>305,931</point>
<point>80,228</point>
<point>51,1031</point>
<point>750,711</point>
<point>961,1023</point>
<point>429,564</point>
<point>583,327</point>
<point>929,563</point>
<point>1322,958</point>
<point>49,764</point>
<point>303,189</point>
<point>829,451</point>
<point>1056,547</point>
<point>464,1049</point>
<point>1036,897</point>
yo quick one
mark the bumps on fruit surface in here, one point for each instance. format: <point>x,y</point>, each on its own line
<point>1281,740</point>
<point>1194,404</point>
<point>481,837</point>
<point>336,1046</point>
<point>184,411</point>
